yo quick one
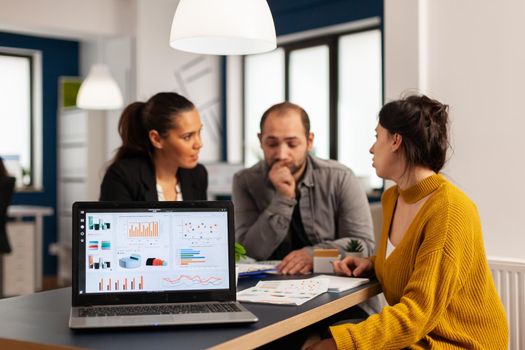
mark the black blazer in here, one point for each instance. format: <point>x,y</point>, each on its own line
<point>133,179</point>
<point>7,185</point>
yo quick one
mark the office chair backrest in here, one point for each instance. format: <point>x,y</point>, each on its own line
<point>7,186</point>
<point>377,219</point>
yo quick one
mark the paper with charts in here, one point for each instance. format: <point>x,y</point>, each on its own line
<point>287,292</point>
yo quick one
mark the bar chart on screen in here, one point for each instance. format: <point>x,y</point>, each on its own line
<point>143,229</point>
<point>143,232</point>
<point>199,257</point>
<point>121,284</point>
<point>98,223</point>
<point>189,256</point>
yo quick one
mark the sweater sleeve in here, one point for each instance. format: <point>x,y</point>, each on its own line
<point>427,295</point>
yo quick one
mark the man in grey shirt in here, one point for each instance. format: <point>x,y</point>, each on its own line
<point>293,202</point>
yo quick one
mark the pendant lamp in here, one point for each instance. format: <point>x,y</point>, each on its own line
<point>99,90</point>
<point>223,27</point>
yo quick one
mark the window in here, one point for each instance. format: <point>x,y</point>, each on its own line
<point>309,88</point>
<point>15,116</point>
<point>337,79</point>
<point>264,86</point>
<point>359,101</point>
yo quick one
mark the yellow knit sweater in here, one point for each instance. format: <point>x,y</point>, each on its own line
<point>437,279</point>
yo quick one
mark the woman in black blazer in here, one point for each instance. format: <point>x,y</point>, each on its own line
<point>7,185</point>
<point>158,159</point>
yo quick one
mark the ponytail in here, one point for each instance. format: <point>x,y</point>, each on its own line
<point>135,139</point>
<point>159,113</point>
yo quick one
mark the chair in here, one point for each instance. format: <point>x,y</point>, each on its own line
<point>376,210</point>
<point>377,219</point>
<point>7,186</point>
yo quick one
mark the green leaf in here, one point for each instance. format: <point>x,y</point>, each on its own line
<point>240,251</point>
<point>354,246</point>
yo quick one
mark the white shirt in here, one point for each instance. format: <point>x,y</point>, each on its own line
<point>389,248</point>
<point>160,193</point>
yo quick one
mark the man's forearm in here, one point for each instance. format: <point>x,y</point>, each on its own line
<point>262,233</point>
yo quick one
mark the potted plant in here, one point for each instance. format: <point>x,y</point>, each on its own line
<point>240,252</point>
<point>354,248</point>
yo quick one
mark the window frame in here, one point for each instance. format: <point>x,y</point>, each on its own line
<point>332,41</point>
<point>31,57</point>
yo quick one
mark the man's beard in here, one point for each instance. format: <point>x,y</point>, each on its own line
<point>294,168</point>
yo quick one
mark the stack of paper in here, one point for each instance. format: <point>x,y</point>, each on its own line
<point>287,292</point>
<point>250,269</point>
<point>340,284</point>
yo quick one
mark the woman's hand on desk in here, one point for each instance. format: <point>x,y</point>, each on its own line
<point>352,266</point>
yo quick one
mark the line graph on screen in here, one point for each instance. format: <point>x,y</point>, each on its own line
<point>192,280</point>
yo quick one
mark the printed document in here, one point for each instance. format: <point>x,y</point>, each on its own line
<point>340,283</point>
<point>286,292</point>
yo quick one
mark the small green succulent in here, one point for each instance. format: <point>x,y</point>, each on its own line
<point>354,246</point>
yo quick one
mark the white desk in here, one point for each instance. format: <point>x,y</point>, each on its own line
<point>20,211</point>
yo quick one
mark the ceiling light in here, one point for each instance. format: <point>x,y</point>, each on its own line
<point>223,27</point>
<point>99,90</point>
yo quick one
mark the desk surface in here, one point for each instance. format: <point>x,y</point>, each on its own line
<point>43,318</point>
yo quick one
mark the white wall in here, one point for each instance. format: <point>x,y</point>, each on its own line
<point>161,68</point>
<point>401,47</point>
<point>68,18</point>
<point>118,54</point>
<point>470,55</point>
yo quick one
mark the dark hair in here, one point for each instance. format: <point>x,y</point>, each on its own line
<point>283,107</point>
<point>3,170</point>
<point>422,122</point>
<point>158,113</point>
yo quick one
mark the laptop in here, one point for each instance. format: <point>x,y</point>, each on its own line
<point>154,264</point>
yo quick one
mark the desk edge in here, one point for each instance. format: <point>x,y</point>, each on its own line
<point>282,328</point>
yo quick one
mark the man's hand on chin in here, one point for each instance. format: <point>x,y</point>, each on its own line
<point>298,261</point>
<point>282,179</point>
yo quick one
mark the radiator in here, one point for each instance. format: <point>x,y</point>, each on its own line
<point>509,277</point>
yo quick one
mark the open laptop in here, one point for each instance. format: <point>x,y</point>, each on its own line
<point>154,263</point>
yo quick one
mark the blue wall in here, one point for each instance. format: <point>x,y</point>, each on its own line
<point>291,16</point>
<point>59,57</point>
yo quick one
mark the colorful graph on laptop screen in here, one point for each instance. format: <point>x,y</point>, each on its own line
<point>145,251</point>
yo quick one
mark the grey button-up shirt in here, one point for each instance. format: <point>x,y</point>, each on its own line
<point>333,206</point>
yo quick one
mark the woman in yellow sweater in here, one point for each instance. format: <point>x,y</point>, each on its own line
<point>431,260</point>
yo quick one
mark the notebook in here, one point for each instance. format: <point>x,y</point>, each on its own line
<point>153,264</point>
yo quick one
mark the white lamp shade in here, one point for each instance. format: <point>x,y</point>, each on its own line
<point>99,90</point>
<point>223,27</point>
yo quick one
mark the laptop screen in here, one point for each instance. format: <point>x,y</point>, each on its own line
<point>159,248</point>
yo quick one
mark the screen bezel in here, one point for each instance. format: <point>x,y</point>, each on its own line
<point>151,297</point>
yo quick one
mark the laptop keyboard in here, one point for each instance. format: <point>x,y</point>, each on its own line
<point>169,309</point>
